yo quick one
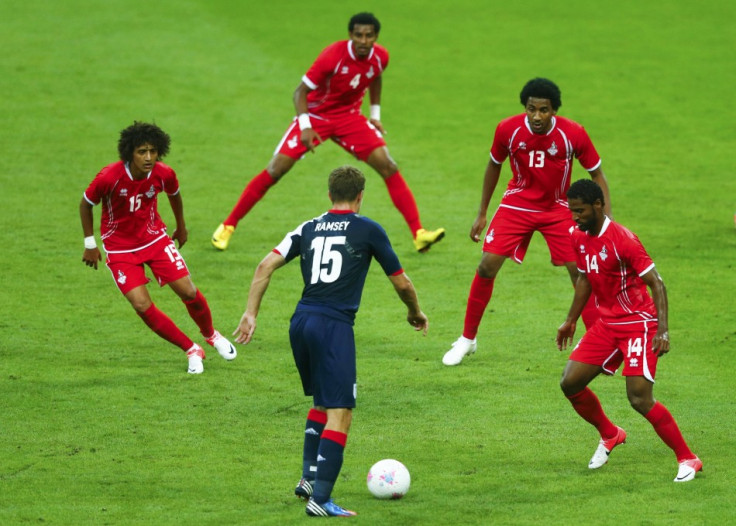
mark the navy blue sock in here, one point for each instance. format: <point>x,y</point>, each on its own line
<point>329,462</point>
<point>316,421</point>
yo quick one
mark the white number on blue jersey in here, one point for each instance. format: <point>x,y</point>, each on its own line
<point>326,262</point>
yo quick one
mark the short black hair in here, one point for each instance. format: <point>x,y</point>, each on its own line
<point>541,88</point>
<point>587,191</point>
<point>140,133</point>
<point>365,19</point>
<point>345,183</point>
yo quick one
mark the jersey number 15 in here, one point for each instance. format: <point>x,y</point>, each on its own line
<point>326,262</point>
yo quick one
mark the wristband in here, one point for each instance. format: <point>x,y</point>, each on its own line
<point>304,121</point>
<point>89,243</point>
<point>375,112</point>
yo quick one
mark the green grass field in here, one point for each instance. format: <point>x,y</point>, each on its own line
<point>101,424</point>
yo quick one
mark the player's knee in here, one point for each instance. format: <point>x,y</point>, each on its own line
<point>640,403</point>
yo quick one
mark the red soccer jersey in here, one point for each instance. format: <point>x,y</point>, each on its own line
<point>613,261</point>
<point>130,219</point>
<point>541,164</point>
<point>339,79</point>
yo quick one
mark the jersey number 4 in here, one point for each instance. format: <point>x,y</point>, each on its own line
<point>326,262</point>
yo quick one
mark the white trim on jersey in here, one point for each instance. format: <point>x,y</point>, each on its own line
<point>134,249</point>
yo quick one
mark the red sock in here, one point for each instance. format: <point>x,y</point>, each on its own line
<point>162,325</point>
<point>481,291</point>
<point>587,405</point>
<point>590,312</point>
<point>666,427</point>
<point>403,199</point>
<point>201,314</point>
<point>254,191</point>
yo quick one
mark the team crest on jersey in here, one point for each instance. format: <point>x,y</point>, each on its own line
<point>490,235</point>
<point>151,192</point>
<point>122,278</point>
<point>552,150</point>
<point>604,253</point>
<point>370,73</point>
<point>123,192</point>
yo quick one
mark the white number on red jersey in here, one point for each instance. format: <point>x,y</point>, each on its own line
<point>327,262</point>
<point>355,81</point>
<point>135,202</point>
<point>536,159</point>
<point>591,262</point>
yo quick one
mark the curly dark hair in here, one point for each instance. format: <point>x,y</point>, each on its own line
<point>541,88</point>
<point>140,133</point>
<point>345,183</point>
<point>587,191</point>
<point>366,19</point>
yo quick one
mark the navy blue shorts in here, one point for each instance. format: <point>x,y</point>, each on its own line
<point>324,353</point>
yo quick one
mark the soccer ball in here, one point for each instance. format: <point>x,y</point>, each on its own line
<point>388,479</point>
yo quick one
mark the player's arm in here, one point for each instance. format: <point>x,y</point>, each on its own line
<point>310,138</point>
<point>258,287</point>
<point>91,254</point>
<point>177,207</point>
<point>490,180</point>
<point>600,178</point>
<point>661,340</point>
<point>374,93</point>
<point>405,289</point>
<point>566,331</point>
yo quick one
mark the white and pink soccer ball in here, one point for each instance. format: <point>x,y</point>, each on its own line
<point>388,479</point>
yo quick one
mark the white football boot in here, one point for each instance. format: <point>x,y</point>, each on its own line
<point>223,346</point>
<point>459,350</point>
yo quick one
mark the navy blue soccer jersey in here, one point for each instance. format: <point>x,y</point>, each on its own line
<point>335,251</point>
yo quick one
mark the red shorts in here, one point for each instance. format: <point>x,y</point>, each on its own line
<point>511,231</point>
<point>162,257</point>
<point>352,131</point>
<point>607,345</point>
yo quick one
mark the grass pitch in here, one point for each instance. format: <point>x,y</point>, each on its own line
<point>101,424</point>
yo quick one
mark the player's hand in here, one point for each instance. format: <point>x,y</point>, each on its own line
<point>478,228</point>
<point>565,334</point>
<point>91,256</point>
<point>661,343</point>
<point>377,124</point>
<point>418,321</point>
<point>244,333</point>
<point>310,139</point>
<point>181,235</point>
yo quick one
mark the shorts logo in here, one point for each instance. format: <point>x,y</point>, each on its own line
<point>490,235</point>
<point>634,362</point>
<point>291,143</point>
<point>122,278</point>
<point>552,150</point>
